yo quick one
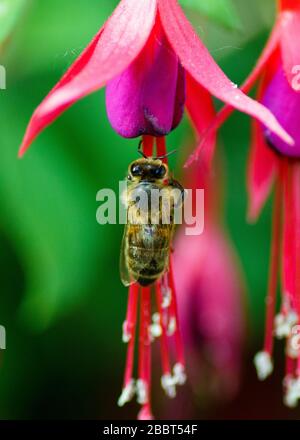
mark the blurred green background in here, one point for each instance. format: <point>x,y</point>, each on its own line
<point>61,300</point>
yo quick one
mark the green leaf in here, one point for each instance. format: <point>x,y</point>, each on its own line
<point>219,11</point>
<point>10,11</point>
<point>46,41</point>
<point>54,228</point>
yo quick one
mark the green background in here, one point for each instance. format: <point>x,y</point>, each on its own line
<point>61,299</point>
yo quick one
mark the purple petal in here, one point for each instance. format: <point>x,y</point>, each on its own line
<point>148,97</point>
<point>284,102</point>
<point>180,97</point>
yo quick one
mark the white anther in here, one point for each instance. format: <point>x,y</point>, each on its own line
<point>282,328</point>
<point>155,328</point>
<point>156,318</point>
<point>284,324</point>
<point>168,383</point>
<point>264,365</point>
<point>292,349</point>
<point>127,393</point>
<point>126,336</point>
<point>292,394</point>
<point>179,374</point>
<point>172,326</point>
<point>167,298</point>
<point>292,318</point>
<point>141,392</point>
<point>155,331</point>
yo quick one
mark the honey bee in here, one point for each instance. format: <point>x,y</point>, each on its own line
<point>150,226</point>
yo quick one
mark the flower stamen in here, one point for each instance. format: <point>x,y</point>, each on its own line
<point>174,312</point>
<point>161,323</point>
<point>264,364</point>
<point>129,336</point>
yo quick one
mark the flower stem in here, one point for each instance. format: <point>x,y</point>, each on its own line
<point>289,266</point>
<point>163,339</point>
<point>130,330</point>
<point>161,148</point>
<point>296,196</point>
<point>148,142</point>
<point>174,312</point>
<point>144,367</point>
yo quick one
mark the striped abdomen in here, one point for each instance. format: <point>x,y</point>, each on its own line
<point>147,251</point>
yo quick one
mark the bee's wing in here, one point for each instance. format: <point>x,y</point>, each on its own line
<point>127,280</point>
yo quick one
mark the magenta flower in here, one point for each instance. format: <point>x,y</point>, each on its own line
<point>153,65</point>
<point>210,299</point>
<point>285,104</point>
<point>136,103</point>
<point>143,54</point>
<point>211,312</point>
<point>272,159</point>
<point>280,91</point>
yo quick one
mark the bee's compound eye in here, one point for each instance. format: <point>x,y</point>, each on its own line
<point>159,172</point>
<point>136,170</point>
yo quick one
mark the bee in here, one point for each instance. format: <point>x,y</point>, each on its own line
<point>150,225</point>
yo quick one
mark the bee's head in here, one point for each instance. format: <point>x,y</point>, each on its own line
<point>147,169</point>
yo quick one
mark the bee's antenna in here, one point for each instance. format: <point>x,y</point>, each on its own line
<point>140,151</point>
<point>166,155</point>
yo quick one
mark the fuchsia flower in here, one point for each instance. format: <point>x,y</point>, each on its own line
<point>152,64</point>
<point>278,75</point>
<point>142,54</point>
<point>280,91</point>
<point>211,311</point>
<point>210,299</point>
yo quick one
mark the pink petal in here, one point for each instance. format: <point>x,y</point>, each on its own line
<point>296,184</point>
<point>202,112</point>
<point>289,248</point>
<point>269,52</point>
<point>290,47</point>
<point>210,306</point>
<point>289,4</point>
<point>113,49</point>
<point>263,162</point>
<point>284,102</point>
<point>261,171</point>
<point>137,103</point>
<point>196,59</point>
